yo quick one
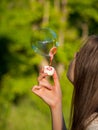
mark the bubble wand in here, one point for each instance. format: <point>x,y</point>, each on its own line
<point>45,44</point>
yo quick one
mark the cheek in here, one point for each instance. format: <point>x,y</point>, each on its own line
<point>70,73</point>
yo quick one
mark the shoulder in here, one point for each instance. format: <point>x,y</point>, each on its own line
<point>93,124</point>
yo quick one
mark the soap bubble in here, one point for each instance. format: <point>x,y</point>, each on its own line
<point>43,40</point>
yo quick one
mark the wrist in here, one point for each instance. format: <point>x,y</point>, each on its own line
<point>57,103</point>
<point>56,107</point>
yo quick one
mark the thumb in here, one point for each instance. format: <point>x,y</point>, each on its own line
<point>56,79</point>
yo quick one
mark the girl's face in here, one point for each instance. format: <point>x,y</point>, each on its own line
<point>70,72</point>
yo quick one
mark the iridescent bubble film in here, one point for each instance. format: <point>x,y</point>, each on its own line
<point>43,40</point>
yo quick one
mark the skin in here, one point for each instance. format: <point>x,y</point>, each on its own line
<point>52,95</point>
<point>70,72</point>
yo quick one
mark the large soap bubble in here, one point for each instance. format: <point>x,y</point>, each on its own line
<point>43,40</point>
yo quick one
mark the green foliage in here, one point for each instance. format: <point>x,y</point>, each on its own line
<point>19,65</point>
<point>83,14</point>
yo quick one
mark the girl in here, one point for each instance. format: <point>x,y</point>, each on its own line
<point>83,74</point>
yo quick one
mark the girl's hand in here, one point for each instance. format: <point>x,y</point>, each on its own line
<point>51,94</point>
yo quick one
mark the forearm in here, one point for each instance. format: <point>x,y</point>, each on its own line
<point>57,118</point>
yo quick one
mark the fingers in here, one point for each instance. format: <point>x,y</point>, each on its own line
<point>36,87</point>
<point>40,90</point>
<point>36,90</point>
<point>41,76</point>
<point>44,75</point>
<point>45,83</point>
<point>56,79</point>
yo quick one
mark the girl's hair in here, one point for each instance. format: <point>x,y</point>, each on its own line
<point>85,94</point>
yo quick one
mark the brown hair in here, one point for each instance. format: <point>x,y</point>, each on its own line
<point>85,94</point>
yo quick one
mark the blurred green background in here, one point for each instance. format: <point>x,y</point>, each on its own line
<point>73,21</point>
